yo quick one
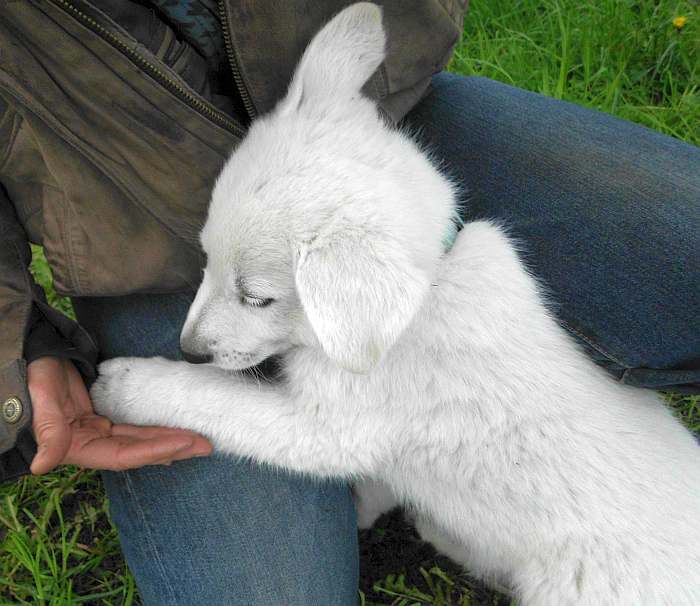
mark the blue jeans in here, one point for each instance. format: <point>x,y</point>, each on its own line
<point>607,212</point>
<point>608,217</point>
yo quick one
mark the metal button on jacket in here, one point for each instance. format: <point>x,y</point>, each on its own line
<point>12,410</point>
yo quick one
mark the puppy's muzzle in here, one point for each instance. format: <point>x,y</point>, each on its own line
<point>192,354</point>
<point>196,358</point>
<point>192,348</point>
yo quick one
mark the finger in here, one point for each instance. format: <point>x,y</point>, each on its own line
<point>153,452</point>
<point>47,379</point>
<point>53,437</point>
<point>200,448</point>
<point>102,426</point>
<point>78,391</point>
<point>48,391</point>
<point>188,453</point>
<point>149,430</point>
<point>138,431</point>
<point>166,462</point>
<point>119,453</point>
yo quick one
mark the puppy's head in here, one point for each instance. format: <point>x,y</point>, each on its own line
<point>325,225</point>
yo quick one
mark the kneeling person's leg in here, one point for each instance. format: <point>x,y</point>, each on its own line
<point>608,214</point>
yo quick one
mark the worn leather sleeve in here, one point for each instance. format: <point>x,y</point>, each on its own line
<point>53,334</point>
<point>15,310</point>
<point>27,321</point>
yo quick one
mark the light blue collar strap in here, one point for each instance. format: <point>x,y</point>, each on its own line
<point>450,236</point>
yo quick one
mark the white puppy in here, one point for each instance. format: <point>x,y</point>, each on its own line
<point>439,378</point>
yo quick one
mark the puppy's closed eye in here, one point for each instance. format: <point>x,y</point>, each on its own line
<point>254,301</point>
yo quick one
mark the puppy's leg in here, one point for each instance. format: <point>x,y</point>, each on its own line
<point>442,542</point>
<point>458,552</point>
<point>372,499</point>
<point>238,415</point>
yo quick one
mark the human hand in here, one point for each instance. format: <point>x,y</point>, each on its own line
<point>67,429</point>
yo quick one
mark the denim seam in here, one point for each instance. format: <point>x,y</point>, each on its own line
<point>594,345</point>
<point>149,538</point>
<point>625,376</point>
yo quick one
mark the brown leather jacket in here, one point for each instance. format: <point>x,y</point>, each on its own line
<point>107,154</point>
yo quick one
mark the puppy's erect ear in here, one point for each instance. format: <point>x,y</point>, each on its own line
<point>340,58</point>
<point>359,294</point>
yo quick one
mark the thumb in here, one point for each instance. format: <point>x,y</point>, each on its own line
<point>48,389</point>
<point>53,439</point>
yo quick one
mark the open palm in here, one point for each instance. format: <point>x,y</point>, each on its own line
<point>68,430</point>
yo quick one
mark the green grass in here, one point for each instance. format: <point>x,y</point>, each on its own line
<point>59,546</point>
<point>625,57</point>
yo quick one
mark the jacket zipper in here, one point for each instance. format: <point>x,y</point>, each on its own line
<point>153,70</point>
<point>233,62</point>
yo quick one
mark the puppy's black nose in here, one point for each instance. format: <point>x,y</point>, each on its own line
<point>196,358</point>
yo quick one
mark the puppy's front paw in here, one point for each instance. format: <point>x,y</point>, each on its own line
<point>123,388</point>
<point>109,393</point>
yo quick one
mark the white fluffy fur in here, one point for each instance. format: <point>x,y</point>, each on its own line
<point>440,380</point>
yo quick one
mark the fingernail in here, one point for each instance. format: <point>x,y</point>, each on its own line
<point>202,451</point>
<point>185,446</point>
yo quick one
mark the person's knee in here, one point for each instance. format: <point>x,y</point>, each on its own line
<point>254,535</point>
